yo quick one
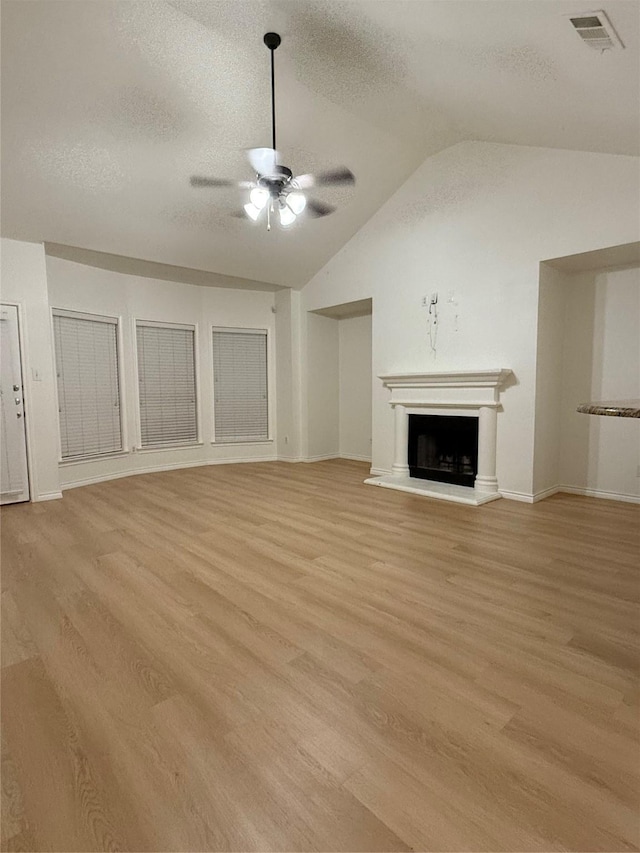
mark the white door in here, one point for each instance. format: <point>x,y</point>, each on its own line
<point>14,479</point>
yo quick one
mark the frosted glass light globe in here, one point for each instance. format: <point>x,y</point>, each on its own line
<point>297,202</point>
<point>252,211</point>
<point>287,217</point>
<point>259,197</point>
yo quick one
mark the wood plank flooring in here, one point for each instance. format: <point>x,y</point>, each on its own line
<point>277,657</point>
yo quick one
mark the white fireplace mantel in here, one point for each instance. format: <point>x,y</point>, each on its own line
<point>468,393</point>
<point>455,388</point>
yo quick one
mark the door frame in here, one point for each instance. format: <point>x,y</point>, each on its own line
<point>26,390</point>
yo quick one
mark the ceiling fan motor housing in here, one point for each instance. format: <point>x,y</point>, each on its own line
<point>276,181</point>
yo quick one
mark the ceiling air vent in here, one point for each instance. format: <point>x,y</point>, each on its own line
<point>595,30</point>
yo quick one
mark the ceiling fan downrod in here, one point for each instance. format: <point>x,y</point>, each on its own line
<point>272,41</point>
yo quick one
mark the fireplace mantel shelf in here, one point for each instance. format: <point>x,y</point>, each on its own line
<point>449,379</point>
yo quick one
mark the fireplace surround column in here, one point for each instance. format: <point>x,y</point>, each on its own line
<point>486,479</point>
<point>401,451</point>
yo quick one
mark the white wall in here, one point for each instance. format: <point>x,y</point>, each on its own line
<point>289,373</point>
<point>24,282</point>
<point>355,387</point>
<point>83,288</point>
<point>601,336</point>
<point>473,223</point>
<point>323,389</point>
<point>337,362</point>
<point>549,371</point>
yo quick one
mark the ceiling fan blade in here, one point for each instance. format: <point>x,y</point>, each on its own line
<point>200,181</point>
<point>263,160</point>
<point>332,177</point>
<point>317,208</point>
<point>304,182</point>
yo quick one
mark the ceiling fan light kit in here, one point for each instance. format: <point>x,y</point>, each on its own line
<point>275,189</point>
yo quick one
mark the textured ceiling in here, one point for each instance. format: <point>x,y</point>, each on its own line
<point>108,107</point>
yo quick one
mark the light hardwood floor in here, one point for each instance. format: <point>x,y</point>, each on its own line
<point>277,657</point>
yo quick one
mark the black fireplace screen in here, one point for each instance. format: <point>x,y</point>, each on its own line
<point>443,448</point>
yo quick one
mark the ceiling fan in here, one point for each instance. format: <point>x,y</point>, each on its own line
<point>275,190</point>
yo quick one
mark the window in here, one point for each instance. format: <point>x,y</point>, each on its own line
<point>88,387</point>
<point>166,384</point>
<point>241,406</point>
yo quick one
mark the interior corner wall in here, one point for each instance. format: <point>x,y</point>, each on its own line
<point>323,387</point>
<point>289,374</point>
<point>78,287</point>
<point>24,282</point>
<point>549,359</point>
<point>355,387</point>
<point>473,224</point>
<point>601,455</point>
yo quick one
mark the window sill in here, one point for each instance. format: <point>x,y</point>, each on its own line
<point>159,448</point>
<point>82,460</point>
<point>231,442</point>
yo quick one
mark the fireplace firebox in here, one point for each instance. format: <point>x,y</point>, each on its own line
<point>443,448</point>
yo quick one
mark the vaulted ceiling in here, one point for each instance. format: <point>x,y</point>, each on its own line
<point>109,107</point>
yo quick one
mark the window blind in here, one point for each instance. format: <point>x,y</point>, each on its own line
<point>167,384</point>
<point>86,350</point>
<point>240,385</point>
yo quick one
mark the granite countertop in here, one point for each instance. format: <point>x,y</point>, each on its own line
<point>613,408</point>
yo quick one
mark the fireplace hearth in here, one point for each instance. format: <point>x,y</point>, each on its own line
<point>443,448</point>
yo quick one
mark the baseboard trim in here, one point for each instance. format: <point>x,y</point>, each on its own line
<point>546,493</point>
<point>379,472</point>
<point>47,496</point>
<point>524,497</point>
<point>349,456</point>
<point>600,493</point>
<point>119,475</point>
<point>527,498</point>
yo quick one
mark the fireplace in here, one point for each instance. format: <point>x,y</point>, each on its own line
<point>443,448</point>
<point>463,405</point>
